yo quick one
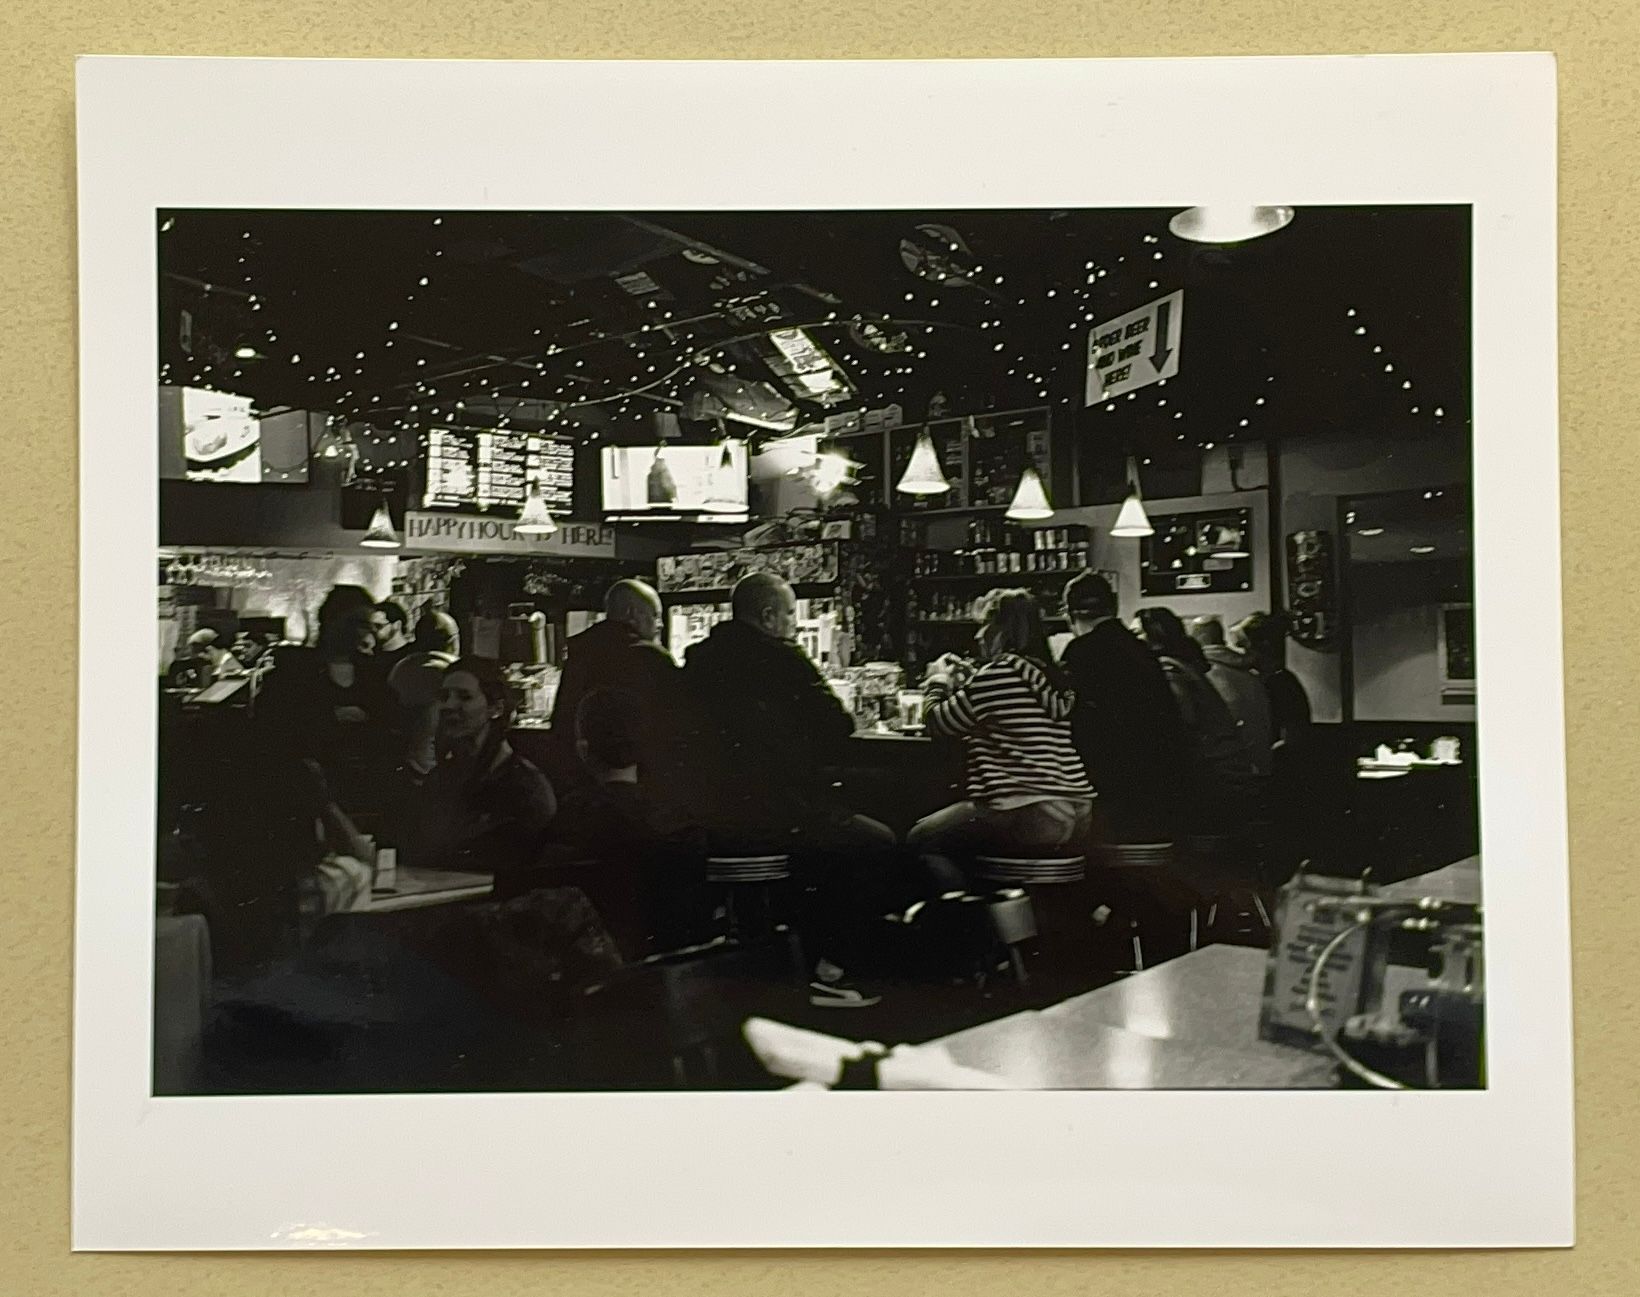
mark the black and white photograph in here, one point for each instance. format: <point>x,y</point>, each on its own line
<point>979,648</point>
<point>654,636</point>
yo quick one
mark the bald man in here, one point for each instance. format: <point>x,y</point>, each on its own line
<point>769,726</point>
<point>623,652</point>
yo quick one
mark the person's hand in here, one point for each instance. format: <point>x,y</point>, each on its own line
<point>352,715</point>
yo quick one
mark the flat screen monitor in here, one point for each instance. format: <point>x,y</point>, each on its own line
<point>209,436</point>
<point>668,482</point>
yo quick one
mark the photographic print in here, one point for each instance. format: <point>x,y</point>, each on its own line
<point>663,657</point>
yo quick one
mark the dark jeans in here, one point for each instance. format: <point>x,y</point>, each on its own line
<point>967,829</point>
<point>847,872</point>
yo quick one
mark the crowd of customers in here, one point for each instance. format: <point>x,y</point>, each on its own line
<point>1141,733</point>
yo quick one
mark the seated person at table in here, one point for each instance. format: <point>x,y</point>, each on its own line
<point>638,861</point>
<point>1225,792</point>
<point>623,651</point>
<point>1126,725</point>
<point>484,809</point>
<point>1027,792</point>
<point>1230,672</point>
<point>415,681</point>
<point>270,862</point>
<point>206,662</point>
<point>767,728</point>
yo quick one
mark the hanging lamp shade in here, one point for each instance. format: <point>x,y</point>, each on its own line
<point>724,494</point>
<point>923,475</point>
<point>1132,520</point>
<point>1223,224</point>
<point>1030,502</point>
<point>381,534</point>
<point>535,520</point>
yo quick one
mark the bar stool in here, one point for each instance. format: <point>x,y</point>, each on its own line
<point>1150,893</point>
<point>1047,884</point>
<point>749,884</point>
<point>1226,870</point>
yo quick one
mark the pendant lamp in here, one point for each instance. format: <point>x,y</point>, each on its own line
<point>723,493</point>
<point>1031,499</point>
<point>535,520</point>
<point>381,534</point>
<point>923,475</point>
<point>1229,224</point>
<point>1132,520</point>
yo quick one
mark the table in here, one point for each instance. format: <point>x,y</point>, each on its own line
<point>415,889</point>
<point>1191,1023</point>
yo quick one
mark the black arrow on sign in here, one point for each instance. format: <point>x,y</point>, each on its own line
<point>1162,354</point>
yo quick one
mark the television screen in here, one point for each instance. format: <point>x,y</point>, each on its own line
<point>676,481</point>
<point>207,436</point>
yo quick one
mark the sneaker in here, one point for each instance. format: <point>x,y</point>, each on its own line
<point>837,995</point>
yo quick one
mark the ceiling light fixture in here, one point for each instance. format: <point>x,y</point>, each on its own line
<point>1132,520</point>
<point>535,520</point>
<point>381,534</point>
<point>923,475</point>
<point>1030,502</point>
<point>1221,224</point>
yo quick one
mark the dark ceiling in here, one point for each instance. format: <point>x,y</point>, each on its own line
<point>594,321</point>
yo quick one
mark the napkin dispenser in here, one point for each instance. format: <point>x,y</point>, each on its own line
<point>1394,989</point>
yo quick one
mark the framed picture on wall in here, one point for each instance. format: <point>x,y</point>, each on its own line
<point>1456,651</point>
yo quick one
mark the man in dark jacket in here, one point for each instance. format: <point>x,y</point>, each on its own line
<point>768,726</point>
<point>623,652</point>
<point>1126,725</point>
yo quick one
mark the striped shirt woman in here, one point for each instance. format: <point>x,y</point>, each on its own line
<point>1026,790</point>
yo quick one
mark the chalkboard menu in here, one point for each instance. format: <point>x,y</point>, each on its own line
<point>491,469</point>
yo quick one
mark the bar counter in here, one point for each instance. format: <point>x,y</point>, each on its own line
<point>892,777</point>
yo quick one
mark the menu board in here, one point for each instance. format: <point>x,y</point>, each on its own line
<point>481,470</point>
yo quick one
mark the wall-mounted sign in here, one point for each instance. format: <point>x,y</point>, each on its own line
<point>1136,349</point>
<point>1198,553</point>
<point>1312,619</point>
<point>466,533</point>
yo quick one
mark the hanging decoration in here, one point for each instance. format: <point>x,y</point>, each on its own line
<point>883,337</point>
<point>938,254</point>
